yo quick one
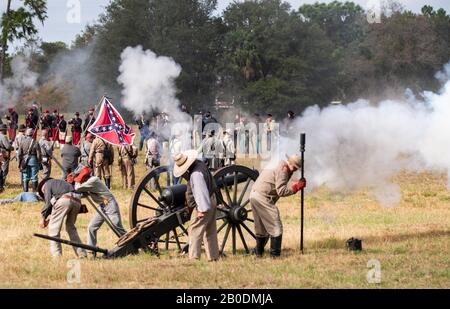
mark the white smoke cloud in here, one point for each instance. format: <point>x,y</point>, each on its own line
<point>22,79</point>
<point>74,71</point>
<point>363,145</point>
<point>148,83</point>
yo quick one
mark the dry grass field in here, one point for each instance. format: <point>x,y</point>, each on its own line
<point>411,243</point>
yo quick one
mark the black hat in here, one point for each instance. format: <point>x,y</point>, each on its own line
<point>3,127</point>
<point>41,184</point>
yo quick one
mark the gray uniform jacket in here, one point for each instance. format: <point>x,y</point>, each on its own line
<point>46,150</point>
<point>96,189</point>
<point>4,142</point>
<point>25,148</point>
<point>85,149</point>
<point>54,188</point>
<point>70,155</point>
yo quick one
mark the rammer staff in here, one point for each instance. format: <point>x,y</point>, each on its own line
<point>302,196</point>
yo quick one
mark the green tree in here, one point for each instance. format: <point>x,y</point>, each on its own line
<point>342,22</point>
<point>274,60</point>
<point>19,24</point>
<point>85,38</point>
<point>47,53</point>
<point>182,29</point>
<point>440,22</point>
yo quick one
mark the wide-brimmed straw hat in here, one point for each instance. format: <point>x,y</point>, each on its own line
<point>183,162</point>
<point>294,160</point>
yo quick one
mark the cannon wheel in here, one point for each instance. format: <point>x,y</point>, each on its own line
<point>234,211</point>
<point>145,204</point>
<point>234,216</point>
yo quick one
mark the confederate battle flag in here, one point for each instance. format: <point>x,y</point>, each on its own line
<point>110,126</point>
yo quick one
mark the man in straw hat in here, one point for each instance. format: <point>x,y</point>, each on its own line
<point>268,188</point>
<point>60,203</point>
<point>199,197</point>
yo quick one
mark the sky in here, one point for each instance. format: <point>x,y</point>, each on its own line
<point>67,18</point>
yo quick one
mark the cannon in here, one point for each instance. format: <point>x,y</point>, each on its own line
<point>157,213</point>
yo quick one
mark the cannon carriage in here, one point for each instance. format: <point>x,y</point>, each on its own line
<point>159,218</point>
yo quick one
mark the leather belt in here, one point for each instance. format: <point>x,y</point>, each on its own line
<point>70,197</point>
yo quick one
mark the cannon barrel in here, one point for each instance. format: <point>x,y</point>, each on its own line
<point>229,180</point>
<point>175,196</point>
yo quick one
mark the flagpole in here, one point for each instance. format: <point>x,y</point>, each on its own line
<point>95,110</point>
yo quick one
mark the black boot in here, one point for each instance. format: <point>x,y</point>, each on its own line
<point>275,246</point>
<point>35,187</point>
<point>108,182</point>
<point>25,186</point>
<point>2,183</point>
<point>260,244</point>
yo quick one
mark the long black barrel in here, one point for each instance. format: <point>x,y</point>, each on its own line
<point>229,180</point>
<point>73,244</point>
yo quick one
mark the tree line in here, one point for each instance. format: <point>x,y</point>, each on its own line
<point>267,56</point>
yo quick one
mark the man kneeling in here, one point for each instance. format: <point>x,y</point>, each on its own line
<point>60,202</point>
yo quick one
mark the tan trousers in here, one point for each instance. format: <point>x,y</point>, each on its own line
<point>102,169</point>
<point>69,209</point>
<point>127,170</point>
<point>205,230</point>
<point>266,215</point>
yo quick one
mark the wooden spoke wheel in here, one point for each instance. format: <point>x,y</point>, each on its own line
<point>234,214</point>
<point>147,202</point>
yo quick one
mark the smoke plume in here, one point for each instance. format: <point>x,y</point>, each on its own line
<point>363,145</point>
<point>22,79</point>
<point>148,83</point>
<point>73,71</point>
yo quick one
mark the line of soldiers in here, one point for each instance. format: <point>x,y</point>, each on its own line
<point>36,155</point>
<point>54,124</point>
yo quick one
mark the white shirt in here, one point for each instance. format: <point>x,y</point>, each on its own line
<point>200,192</point>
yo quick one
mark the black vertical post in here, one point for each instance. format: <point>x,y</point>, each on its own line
<point>302,151</point>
